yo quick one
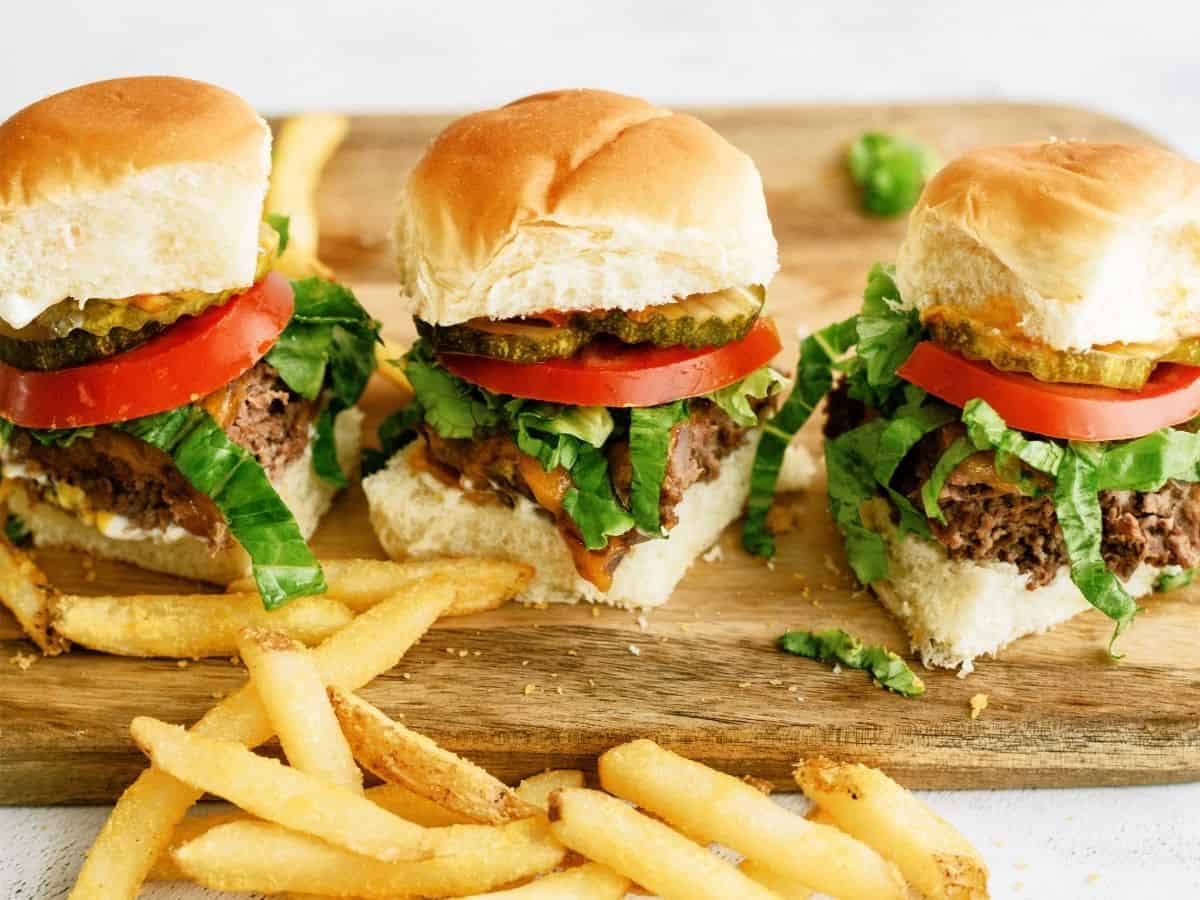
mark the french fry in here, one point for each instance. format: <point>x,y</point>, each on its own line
<point>781,885</point>
<point>188,830</point>
<point>289,685</point>
<point>23,589</point>
<point>262,857</point>
<point>361,583</point>
<point>270,790</point>
<point>711,806</point>
<point>140,825</point>
<point>386,354</point>
<point>406,804</point>
<point>189,626</point>
<point>301,149</point>
<point>402,756</point>
<point>608,831</point>
<point>590,881</point>
<point>935,858</point>
<point>536,789</point>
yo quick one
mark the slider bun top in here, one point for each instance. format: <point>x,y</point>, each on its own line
<point>129,186</point>
<point>578,199</point>
<point>1068,243</point>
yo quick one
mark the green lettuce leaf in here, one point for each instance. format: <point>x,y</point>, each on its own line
<point>819,355</point>
<point>591,502</point>
<point>903,432</point>
<point>395,432</point>
<point>889,171</point>
<point>835,645</point>
<point>451,407</point>
<point>931,490</point>
<point>16,530</point>
<point>552,433</point>
<point>989,432</point>
<point>649,446</point>
<point>325,457</point>
<point>282,227</point>
<point>284,567</point>
<point>849,467</point>
<point>887,334</point>
<point>1173,578</point>
<point>1148,463</point>
<point>735,399</point>
<point>1077,507</point>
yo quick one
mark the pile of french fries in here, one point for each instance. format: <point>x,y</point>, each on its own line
<point>440,826</point>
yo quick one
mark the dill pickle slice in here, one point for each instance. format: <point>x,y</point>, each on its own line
<point>1186,352</point>
<point>1108,368</point>
<point>76,349</point>
<point>523,341</point>
<point>702,320</point>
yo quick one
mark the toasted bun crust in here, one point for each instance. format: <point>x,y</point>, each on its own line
<point>957,610</point>
<point>1069,243</point>
<point>416,516</point>
<point>308,497</point>
<point>130,186</point>
<point>578,199</point>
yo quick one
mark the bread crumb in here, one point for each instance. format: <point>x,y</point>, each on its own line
<point>642,622</point>
<point>831,566</point>
<point>477,653</point>
<point>978,704</point>
<point>406,676</point>
<point>463,653</point>
<point>23,661</point>
<point>591,683</point>
<point>635,650</point>
<point>529,689</point>
<point>713,554</point>
<point>771,565</point>
<point>775,682</point>
<point>524,662</point>
<point>685,627</point>
<point>759,784</point>
<point>450,651</point>
<point>558,690</point>
<point>572,652</point>
<point>743,685</point>
<point>595,612</point>
<point>182,663</point>
<point>837,669</point>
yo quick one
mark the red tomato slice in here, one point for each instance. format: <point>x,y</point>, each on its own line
<point>610,373</point>
<point>191,359</point>
<point>1072,411</point>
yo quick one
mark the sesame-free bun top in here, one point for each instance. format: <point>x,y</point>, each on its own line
<point>126,187</point>
<point>578,199</point>
<point>1068,243</point>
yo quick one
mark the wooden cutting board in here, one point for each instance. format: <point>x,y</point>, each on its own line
<point>555,687</point>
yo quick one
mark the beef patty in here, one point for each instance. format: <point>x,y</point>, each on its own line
<point>495,463</point>
<point>989,519</point>
<point>117,473</point>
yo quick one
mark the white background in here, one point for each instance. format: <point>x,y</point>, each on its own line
<point>1139,61</point>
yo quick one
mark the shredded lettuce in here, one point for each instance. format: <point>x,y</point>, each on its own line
<point>931,490</point>
<point>591,502</point>
<point>889,171</point>
<point>1173,578</point>
<point>851,482</point>
<point>835,645</point>
<point>649,446</point>
<point>284,567</point>
<point>989,432</point>
<point>396,432</point>
<point>736,399</point>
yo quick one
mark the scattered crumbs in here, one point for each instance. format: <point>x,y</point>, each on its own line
<point>978,704</point>
<point>477,653</point>
<point>558,690</point>
<point>182,663</point>
<point>743,684</point>
<point>684,627</point>
<point>761,785</point>
<point>530,688</point>
<point>450,651</point>
<point>524,662</point>
<point>775,682</point>
<point>406,676</point>
<point>837,669</point>
<point>713,554</point>
<point>23,661</point>
<point>217,695</point>
<point>642,623</point>
<point>793,688</point>
<point>635,650</point>
<point>463,653</point>
<point>771,564</point>
<point>553,674</point>
<point>831,566</point>
<point>591,683</point>
<point>595,612</point>
<point>572,652</point>
<point>1093,878</point>
<point>816,602</point>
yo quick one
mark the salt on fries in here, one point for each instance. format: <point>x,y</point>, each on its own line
<point>865,803</point>
<point>710,806</point>
<point>301,149</point>
<point>361,583</point>
<point>289,685</point>
<point>23,589</point>
<point>141,824</point>
<point>607,831</point>
<point>188,626</point>
<point>260,857</point>
<point>401,756</point>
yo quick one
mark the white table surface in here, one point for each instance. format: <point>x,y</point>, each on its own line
<point>1136,61</point>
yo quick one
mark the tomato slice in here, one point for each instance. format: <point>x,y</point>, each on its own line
<point>609,373</point>
<point>191,359</point>
<point>1072,411</point>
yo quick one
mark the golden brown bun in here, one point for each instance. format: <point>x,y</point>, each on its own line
<point>1070,243</point>
<point>130,186</point>
<point>578,199</point>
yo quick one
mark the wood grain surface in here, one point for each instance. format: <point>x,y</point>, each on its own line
<point>521,689</point>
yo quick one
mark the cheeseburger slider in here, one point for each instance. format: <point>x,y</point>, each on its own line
<point>165,398</point>
<point>1015,438</point>
<point>587,272</point>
